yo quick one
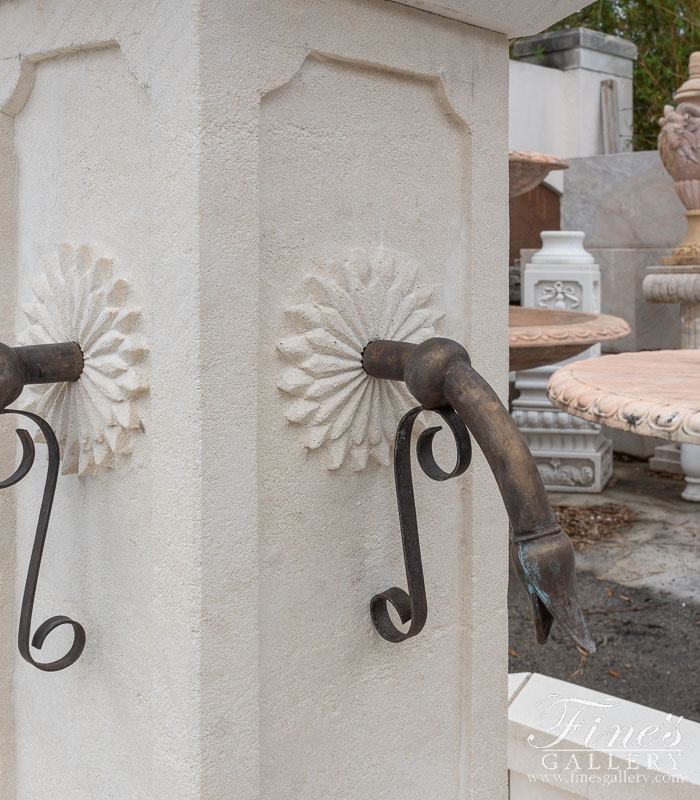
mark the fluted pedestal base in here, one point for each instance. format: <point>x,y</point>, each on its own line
<point>572,454</point>
<point>679,283</point>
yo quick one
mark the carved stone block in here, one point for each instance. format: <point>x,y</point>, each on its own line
<point>216,153</point>
<point>575,474</point>
<point>571,454</point>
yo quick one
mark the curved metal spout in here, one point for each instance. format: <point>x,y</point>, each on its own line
<point>39,363</point>
<point>438,373</point>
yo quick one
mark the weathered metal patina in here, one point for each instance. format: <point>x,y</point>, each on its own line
<point>438,373</point>
<point>413,606</point>
<point>440,376</point>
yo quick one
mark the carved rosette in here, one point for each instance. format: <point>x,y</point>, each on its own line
<point>79,298</point>
<point>362,296</point>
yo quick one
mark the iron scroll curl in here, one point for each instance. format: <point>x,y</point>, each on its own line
<point>24,637</point>
<point>412,606</point>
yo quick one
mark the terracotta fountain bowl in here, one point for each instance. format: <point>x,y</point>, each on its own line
<point>527,170</point>
<point>541,336</point>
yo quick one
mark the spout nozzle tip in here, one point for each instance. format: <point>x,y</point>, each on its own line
<point>582,637</point>
<point>546,567</point>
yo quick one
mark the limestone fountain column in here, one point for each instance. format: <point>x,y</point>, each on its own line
<point>572,454</point>
<point>223,203</point>
<point>677,279</point>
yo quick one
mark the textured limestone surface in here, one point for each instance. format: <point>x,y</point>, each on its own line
<point>221,152</point>
<point>99,149</point>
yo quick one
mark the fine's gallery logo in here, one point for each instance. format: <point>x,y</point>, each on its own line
<point>595,741</point>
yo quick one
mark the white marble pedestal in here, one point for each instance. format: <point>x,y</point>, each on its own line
<point>572,454</point>
<point>679,284</point>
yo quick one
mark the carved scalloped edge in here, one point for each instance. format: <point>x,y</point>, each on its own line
<point>587,400</point>
<point>527,157</point>
<point>601,329</point>
<point>527,170</point>
<point>81,297</point>
<point>665,287</point>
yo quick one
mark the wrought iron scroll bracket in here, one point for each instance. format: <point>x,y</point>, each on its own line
<point>24,638</point>
<point>19,367</point>
<point>412,606</point>
<point>439,374</point>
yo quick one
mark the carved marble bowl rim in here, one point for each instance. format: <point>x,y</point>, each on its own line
<point>544,159</point>
<point>562,327</point>
<point>527,170</point>
<point>577,389</point>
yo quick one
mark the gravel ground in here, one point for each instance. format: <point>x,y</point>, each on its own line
<point>640,592</point>
<point>648,645</point>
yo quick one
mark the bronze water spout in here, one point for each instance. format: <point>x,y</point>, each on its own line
<point>40,363</point>
<point>438,373</point>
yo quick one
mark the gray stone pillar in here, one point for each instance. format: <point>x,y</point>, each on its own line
<point>592,58</point>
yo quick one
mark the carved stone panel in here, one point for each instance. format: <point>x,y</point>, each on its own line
<point>217,153</point>
<point>362,183</point>
<point>559,294</point>
<point>82,226</point>
<point>566,472</point>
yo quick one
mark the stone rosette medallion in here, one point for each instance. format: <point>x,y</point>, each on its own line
<point>340,410</point>
<point>79,297</point>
